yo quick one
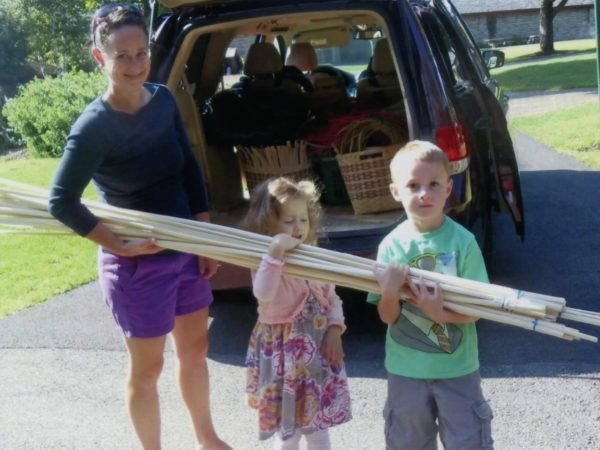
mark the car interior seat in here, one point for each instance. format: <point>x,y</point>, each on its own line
<point>380,86</point>
<point>263,108</point>
<point>329,91</point>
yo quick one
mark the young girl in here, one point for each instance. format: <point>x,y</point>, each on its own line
<point>296,376</point>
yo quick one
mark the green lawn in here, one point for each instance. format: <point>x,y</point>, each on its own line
<point>575,131</point>
<point>520,52</point>
<point>35,268</point>
<point>571,72</point>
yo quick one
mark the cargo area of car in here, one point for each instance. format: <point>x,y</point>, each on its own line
<point>279,95</point>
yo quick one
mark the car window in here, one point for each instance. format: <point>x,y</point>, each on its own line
<point>233,62</point>
<point>447,54</point>
<point>456,27</point>
<point>352,58</point>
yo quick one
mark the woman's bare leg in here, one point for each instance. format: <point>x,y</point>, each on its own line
<point>145,366</point>
<point>191,343</point>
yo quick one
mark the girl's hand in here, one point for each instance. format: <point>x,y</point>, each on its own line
<point>392,280</point>
<point>282,243</point>
<point>331,347</point>
<point>431,303</point>
<point>207,267</point>
<point>135,247</point>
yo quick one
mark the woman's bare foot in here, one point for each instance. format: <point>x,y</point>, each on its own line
<point>216,445</point>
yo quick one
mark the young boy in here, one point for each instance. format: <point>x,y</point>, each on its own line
<point>431,352</point>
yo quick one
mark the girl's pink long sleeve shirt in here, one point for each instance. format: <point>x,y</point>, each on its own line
<point>281,297</point>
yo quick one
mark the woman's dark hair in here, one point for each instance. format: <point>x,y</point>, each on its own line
<point>113,16</point>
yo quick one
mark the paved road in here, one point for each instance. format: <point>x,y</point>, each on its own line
<point>62,362</point>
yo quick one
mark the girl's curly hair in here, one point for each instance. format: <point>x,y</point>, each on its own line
<point>266,201</point>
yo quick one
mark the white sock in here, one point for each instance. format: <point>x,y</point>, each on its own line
<point>293,443</point>
<point>319,440</point>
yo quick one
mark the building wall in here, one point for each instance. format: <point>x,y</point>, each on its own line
<point>568,24</point>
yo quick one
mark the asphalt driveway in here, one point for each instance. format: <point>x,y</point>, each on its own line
<point>62,363</point>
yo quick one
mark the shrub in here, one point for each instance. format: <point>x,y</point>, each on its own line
<point>44,109</point>
<point>7,137</point>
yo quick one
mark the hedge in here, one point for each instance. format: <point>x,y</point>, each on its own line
<point>44,109</point>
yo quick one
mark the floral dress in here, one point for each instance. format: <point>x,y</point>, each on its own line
<point>289,382</point>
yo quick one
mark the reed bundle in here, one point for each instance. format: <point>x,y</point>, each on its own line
<point>275,158</point>
<point>260,163</point>
<point>23,210</point>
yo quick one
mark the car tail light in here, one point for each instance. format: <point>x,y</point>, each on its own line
<point>451,139</point>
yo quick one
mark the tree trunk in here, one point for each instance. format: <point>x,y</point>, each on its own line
<point>547,13</point>
<point>546,27</point>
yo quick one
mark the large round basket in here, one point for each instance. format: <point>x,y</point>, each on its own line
<point>367,178</point>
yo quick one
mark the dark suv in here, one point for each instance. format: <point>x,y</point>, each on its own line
<point>230,65</point>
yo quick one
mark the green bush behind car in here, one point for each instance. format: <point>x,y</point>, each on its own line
<point>44,109</point>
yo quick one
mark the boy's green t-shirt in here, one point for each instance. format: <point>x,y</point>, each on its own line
<point>415,346</point>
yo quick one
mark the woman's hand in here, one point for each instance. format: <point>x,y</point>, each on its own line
<point>282,243</point>
<point>136,247</point>
<point>331,347</point>
<point>103,236</point>
<point>207,267</point>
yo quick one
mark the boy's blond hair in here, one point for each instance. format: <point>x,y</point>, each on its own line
<point>418,151</point>
<point>266,201</point>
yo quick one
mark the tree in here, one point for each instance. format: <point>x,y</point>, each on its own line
<point>547,13</point>
<point>13,48</point>
<point>56,32</point>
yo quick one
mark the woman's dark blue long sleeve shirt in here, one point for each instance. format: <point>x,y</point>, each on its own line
<point>140,161</point>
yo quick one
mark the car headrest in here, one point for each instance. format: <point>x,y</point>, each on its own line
<point>262,59</point>
<point>303,56</point>
<point>383,63</point>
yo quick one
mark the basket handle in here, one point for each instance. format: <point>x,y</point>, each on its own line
<point>370,156</point>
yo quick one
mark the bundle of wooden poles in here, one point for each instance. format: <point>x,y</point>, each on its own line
<point>23,210</point>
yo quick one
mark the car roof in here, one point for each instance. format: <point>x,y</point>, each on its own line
<point>179,3</point>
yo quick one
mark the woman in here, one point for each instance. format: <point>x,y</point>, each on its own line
<point>132,143</point>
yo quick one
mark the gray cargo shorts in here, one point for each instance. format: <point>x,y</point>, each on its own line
<point>416,409</point>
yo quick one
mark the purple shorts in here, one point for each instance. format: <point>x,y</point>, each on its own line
<point>145,293</point>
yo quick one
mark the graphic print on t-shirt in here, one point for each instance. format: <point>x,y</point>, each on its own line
<point>413,329</point>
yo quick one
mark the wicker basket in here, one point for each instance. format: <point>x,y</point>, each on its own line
<point>367,178</point>
<point>262,163</point>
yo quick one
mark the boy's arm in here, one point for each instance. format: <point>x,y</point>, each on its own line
<point>392,280</point>
<point>389,309</point>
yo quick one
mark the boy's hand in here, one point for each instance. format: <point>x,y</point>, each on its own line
<point>331,347</point>
<point>431,303</point>
<point>281,243</point>
<point>392,280</point>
